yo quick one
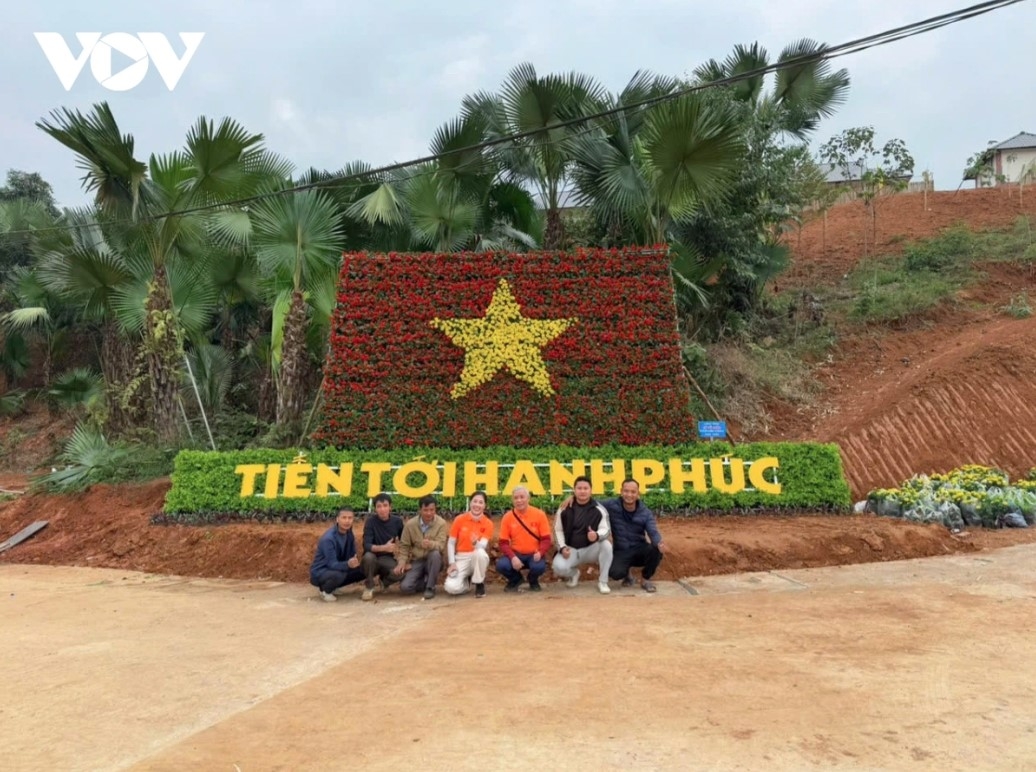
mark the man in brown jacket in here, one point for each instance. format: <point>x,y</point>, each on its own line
<point>421,549</point>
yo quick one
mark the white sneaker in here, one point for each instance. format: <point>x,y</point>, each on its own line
<point>328,596</point>
<point>574,580</point>
<point>368,593</point>
<point>604,588</point>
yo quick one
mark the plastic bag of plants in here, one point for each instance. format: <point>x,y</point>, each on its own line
<point>971,515</point>
<point>1022,501</point>
<point>923,512</point>
<point>992,508</point>
<point>951,516</point>
<point>888,508</point>
<point>1012,520</point>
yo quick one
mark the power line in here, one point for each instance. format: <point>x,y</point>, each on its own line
<point>358,178</point>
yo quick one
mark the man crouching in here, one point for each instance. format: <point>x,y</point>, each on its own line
<point>335,563</point>
<point>421,550</point>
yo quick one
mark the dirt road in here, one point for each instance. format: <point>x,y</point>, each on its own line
<point>904,665</point>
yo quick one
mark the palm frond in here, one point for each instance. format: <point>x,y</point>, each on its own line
<point>80,387</point>
<point>113,175</point>
<point>213,369</point>
<point>441,217</point>
<point>383,205</point>
<point>746,59</point>
<point>26,318</point>
<point>296,236</point>
<point>694,150</point>
<point>221,158</point>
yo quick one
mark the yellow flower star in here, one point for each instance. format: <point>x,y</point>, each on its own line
<point>503,338</point>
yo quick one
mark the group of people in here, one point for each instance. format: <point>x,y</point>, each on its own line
<point>617,534</point>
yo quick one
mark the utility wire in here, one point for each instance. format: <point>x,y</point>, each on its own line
<point>366,177</point>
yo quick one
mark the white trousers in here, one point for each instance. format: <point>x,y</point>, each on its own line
<point>469,564</point>
<point>600,552</point>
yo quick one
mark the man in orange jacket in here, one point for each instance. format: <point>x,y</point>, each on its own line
<point>524,542</point>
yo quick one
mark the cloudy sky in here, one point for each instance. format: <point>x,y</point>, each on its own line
<point>331,82</point>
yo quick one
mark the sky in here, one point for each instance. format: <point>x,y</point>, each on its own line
<point>327,82</point>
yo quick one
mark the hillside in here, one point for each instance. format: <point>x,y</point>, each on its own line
<point>957,385</point>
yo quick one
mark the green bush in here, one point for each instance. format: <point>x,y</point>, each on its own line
<point>949,248</point>
<point>205,485</point>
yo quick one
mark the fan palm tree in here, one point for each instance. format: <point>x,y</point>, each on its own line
<point>298,240</point>
<point>220,163</point>
<point>528,102</point>
<point>649,169</point>
<point>21,221</point>
<point>457,202</point>
<point>37,313</point>
<point>805,88</point>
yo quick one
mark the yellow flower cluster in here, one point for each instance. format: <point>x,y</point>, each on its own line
<point>502,339</point>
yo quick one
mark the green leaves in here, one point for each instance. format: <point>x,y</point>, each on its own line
<point>113,174</point>
<point>296,237</point>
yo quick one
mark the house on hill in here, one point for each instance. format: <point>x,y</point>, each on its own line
<point>1006,162</point>
<point>847,181</point>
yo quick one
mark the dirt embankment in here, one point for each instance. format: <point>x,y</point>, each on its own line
<point>956,388</point>
<point>830,247</point>
<point>109,526</point>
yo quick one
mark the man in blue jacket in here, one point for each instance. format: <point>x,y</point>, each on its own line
<point>638,542</point>
<point>335,564</point>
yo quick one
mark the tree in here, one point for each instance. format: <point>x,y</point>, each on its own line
<point>29,186</point>
<point>877,172</point>
<point>979,168</point>
<point>26,206</point>
<point>805,89</point>
<point>531,103</point>
<point>741,234</point>
<point>298,242</point>
<point>219,163</point>
<point>659,167</point>
<point>457,202</point>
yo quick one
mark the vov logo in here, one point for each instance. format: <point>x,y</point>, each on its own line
<point>141,49</point>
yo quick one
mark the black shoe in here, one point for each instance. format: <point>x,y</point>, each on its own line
<point>535,587</point>
<point>429,593</point>
<point>480,590</point>
<point>512,586</point>
<point>628,581</point>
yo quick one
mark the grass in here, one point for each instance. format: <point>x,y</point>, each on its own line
<point>771,360</point>
<point>929,273</point>
<point>1019,307</point>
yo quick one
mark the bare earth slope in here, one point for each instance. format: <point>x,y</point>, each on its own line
<point>960,388</point>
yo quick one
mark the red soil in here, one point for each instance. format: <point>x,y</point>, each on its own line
<point>959,387</point>
<point>109,526</point>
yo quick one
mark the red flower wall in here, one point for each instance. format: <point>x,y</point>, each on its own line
<point>616,374</point>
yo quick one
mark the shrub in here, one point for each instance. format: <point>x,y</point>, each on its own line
<point>205,483</point>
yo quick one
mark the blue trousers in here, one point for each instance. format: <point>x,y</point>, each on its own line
<point>536,568</point>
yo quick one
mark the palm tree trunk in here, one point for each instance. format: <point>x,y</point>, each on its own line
<point>162,342</point>
<point>117,372</point>
<point>554,233</point>
<point>291,389</point>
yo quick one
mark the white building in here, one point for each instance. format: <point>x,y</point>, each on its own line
<point>1008,160</point>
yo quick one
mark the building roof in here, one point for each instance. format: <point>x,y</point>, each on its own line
<point>1020,140</point>
<point>834,174</point>
<point>567,199</point>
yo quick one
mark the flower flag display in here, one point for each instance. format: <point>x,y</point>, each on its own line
<point>466,350</point>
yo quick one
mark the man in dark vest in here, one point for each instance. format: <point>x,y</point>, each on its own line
<point>581,529</point>
<point>380,545</point>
